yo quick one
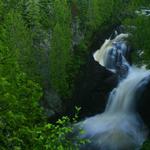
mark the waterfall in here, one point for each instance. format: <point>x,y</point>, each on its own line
<point>119,127</point>
<point>112,53</point>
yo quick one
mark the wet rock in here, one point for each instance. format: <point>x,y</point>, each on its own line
<point>94,87</point>
<point>92,93</point>
<point>52,104</point>
<point>143,105</point>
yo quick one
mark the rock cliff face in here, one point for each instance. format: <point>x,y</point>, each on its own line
<point>92,85</point>
<point>143,105</point>
<point>94,90</point>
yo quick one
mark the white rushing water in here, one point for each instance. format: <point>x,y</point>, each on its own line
<point>119,127</point>
<point>112,52</point>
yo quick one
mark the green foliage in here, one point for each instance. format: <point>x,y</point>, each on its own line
<point>20,111</point>
<point>138,25</point>
<point>17,38</point>
<point>37,52</point>
<point>19,96</point>
<point>146,145</point>
<point>46,29</point>
<point>60,54</point>
<point>43,34</point>
<point>32,13</point>
<point>19,132</point>
<point>97,13</point>
<point>23,123</point>
<point>59,136</point>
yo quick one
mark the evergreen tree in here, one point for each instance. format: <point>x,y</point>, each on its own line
<point>60,54</point>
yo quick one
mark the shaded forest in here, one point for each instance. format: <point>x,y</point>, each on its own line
<point>44,47</point>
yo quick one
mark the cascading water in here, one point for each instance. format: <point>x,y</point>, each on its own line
<point>119,127</point>
<point>112,53</point>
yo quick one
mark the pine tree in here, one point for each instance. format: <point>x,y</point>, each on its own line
<point>19,97</point>
<point>61,48</point>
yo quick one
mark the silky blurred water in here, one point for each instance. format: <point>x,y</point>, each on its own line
<point>119,127</point>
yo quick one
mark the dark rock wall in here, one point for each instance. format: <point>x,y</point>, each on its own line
<point>92,94</point>
<point>143,105</point>
<point>94,84</point>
